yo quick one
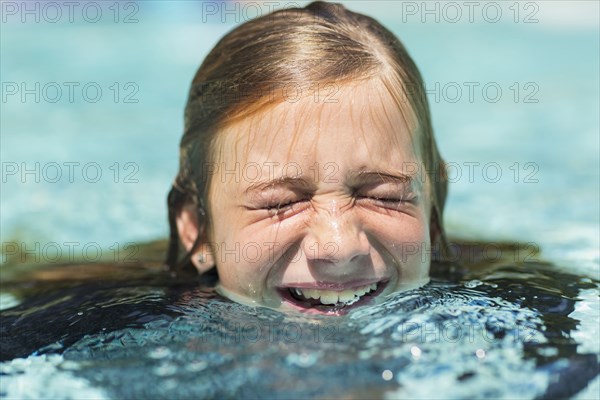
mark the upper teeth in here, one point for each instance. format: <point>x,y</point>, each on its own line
<point>347,296</point>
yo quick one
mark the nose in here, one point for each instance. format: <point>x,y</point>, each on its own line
<point>335,236</point>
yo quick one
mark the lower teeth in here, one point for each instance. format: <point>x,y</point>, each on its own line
<point>350,302</point>
<point>297,294</point>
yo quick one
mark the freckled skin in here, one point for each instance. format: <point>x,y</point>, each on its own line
<point>335,227</point>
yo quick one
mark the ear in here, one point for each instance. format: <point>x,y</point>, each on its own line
<point>189,229</point>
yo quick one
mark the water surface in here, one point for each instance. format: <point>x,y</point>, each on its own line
<point>493,330</point>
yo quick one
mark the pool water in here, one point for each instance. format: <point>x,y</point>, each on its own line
<point>487,330</point>
<point>509,329</point>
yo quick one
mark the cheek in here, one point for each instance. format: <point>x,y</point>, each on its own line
<point>405,239</point>
<point>415,250</point>
<point>237,274</point>
<point>243,258</point>
<point>413,228</point>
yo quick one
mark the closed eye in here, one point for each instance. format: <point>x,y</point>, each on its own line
<point>284,208</point>
<point>276,207</point>
<point>387,202</point>
<point>386,194</point>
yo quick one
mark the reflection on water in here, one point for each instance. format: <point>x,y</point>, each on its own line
<point>499,330</point>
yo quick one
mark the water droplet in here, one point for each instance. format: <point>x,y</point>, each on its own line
<point>480,353</point>
<point>165,369</point>
<point>79,313</point>
<point>387,375</point>
<point>416,352</point>
<point>304,360</point>
<point>473,284</point>
<point>159,352</point>
<point>196,366</point>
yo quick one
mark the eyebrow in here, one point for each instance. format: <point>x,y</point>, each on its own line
<point>367,176</point>
<point>292,182</point>
<point>357,178</point>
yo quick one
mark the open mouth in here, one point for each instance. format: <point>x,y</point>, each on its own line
<point>327,301</point>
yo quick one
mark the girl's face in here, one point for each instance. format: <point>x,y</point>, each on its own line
<point>319,206</point>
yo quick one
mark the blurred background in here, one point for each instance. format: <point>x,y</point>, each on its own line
<point>93,96</point>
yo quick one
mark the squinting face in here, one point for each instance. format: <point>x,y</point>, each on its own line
<point>316,206</point>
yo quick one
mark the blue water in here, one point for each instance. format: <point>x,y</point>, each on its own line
<point>185,336</point>
<point>500,331</point>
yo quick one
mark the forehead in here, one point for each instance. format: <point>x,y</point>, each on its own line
<point>354,125</point>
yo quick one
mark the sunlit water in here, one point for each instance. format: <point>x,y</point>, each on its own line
<point>505,331</point>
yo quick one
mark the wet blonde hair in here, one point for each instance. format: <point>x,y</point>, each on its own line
<point>322,43</point>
